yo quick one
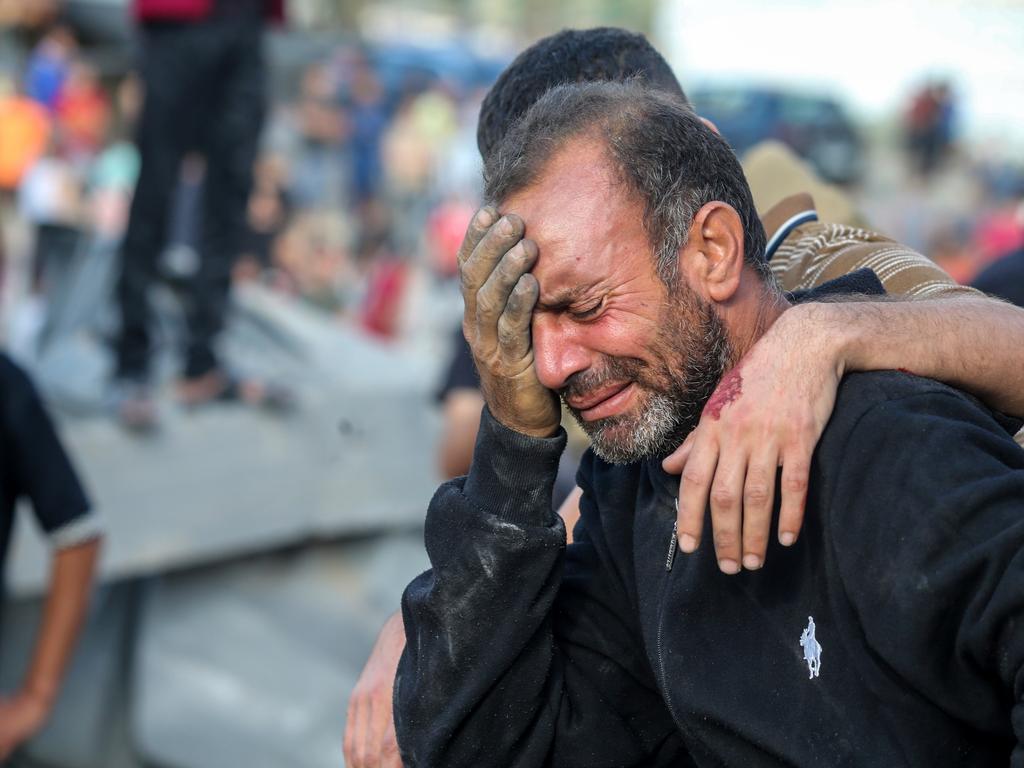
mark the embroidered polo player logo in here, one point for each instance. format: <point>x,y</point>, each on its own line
<point>812,649</point>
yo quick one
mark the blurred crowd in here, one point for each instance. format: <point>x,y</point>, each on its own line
<point>963,206</point>
<point>366,176</point>
<point>67,164</point>
<point>358,183</point>
<point>365,179</point>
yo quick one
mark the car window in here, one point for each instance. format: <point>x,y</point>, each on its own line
<point>802,110</point>
<point>725,103</point>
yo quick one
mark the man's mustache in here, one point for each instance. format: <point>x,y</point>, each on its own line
<point>614,369</point>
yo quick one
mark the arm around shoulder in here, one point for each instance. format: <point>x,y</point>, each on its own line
<point>966,340</point>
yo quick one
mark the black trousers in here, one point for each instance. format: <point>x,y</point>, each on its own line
<point>55,244</point>
<point>204,89</point>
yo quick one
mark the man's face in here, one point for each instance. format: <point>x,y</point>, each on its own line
<point>634,362</point>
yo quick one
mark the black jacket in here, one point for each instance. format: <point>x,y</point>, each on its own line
<point>615,653</point>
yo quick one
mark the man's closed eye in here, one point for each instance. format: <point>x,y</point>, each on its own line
<point>587,312</point>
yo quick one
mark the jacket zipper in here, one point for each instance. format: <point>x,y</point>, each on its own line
<point>673,543</point>
<point>673,546</point>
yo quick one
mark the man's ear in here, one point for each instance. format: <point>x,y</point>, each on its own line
<point>710,125</point>
<point>713,254</point>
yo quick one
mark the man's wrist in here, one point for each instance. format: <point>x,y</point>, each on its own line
<point>541,433</point>
<point>545,421</point>
<point>834,330</point>
<point>513,473</point>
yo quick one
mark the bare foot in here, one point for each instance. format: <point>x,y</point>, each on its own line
<point>216,386</point>
<point>204,389</point>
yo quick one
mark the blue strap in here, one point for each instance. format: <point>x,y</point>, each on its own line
<point>783,232</point>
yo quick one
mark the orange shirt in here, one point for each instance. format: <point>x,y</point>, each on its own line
<point>24,133</point>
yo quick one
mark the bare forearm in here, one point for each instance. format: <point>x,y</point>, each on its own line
<point>71,584</point>
<point>970,342</point>
<point>461,419</point>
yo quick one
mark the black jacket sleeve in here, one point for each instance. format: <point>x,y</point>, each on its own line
<point>929,517</point>
<point>507,663</point>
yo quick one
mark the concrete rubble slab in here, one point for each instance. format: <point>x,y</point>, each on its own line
<point>356,455</point>
<point>249,662</point>
<point>253,665</point>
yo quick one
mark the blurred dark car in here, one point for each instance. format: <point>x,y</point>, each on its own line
<point>401,66</point>
<point>815,127</point>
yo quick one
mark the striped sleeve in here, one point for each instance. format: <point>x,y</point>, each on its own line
<point>816,253</point>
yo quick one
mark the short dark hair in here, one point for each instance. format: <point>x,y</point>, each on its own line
<point>569,56</point>
<point>666,156</point>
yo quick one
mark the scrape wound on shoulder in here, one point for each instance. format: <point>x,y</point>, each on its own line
<point>729,389</point>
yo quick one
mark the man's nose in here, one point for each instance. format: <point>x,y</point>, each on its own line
<point>558,351</point>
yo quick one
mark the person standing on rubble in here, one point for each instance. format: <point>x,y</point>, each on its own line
<point>203,71</point>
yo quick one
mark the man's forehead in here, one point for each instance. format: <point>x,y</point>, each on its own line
<point>569,188</point>
<point>572,212</point>
<point>587,225</point>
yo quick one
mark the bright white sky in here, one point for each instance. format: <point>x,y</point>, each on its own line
<point>870,53</point>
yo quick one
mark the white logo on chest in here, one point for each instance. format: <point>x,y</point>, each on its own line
<point>812,648</point>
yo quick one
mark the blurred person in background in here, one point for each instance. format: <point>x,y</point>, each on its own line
<point>368,119</point>
<point>383,273</point>
<point>1001,230</point>
<point>202,59</point>
<point>457,166</point>
<point>791,372</point>
<point>949,246</point>
<point>929,126</point>
<point>25,134</point>
<point>445,227</point>
<point>313,259</point>
<point>34,466</point>
<point>1004,277</point>
<point>266,216</point>
<point>115,171</point>
<point>50,198</point>
<point>83,112</point>
<point>407,164</point>
<point>49,65</point>
<point>29,15</point>
<point>317,130</point>
<point>25,127</point>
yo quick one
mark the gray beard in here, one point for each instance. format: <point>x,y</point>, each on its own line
<point>668,415</point>
<point>649,435</point>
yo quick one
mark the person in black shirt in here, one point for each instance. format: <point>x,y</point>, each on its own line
<point>1004,278</point>
<point>790,394</point>
<point>631,281</point>
<point>34,466</point>
<point>461,401</point>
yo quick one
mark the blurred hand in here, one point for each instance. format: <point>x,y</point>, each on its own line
<point>370,740</point>
<point>768,412</point>
<point>21,717</point>
<point>499,295</point>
